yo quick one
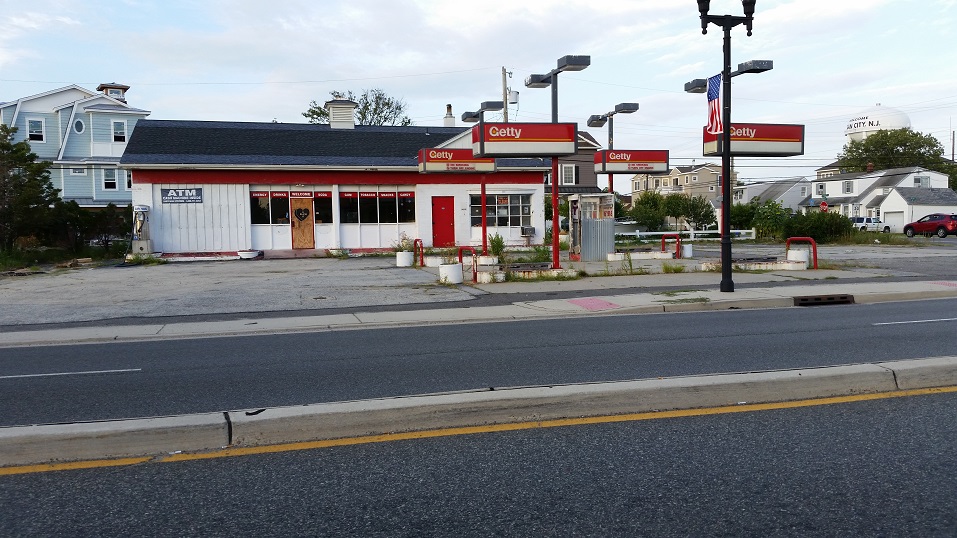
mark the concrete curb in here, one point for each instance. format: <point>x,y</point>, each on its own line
<point>24,445</point>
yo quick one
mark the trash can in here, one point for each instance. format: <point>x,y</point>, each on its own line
<point>687,251</point>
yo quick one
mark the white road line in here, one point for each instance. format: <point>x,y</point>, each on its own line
<point>916,321</point>
<point>72,373</point>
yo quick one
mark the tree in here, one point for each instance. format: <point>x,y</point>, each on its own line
<point>742,215</point>
<point>897,148</point>
<point>27,198</point>
<point>700,213</point>
<point>769,219</point>
<point>374,108</point>
<point>676,206</point>
<point>648,210</point>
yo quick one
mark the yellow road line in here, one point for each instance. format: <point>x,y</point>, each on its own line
<point>72,466</point>
<point>492,428</point>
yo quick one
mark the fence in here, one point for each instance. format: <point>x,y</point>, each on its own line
<point>698,235</point>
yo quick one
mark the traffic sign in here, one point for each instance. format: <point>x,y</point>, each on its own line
<point>824,207</point>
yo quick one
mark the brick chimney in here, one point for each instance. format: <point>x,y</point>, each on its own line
<point>341,113</point>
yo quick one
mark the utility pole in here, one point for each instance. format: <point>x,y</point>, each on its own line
<point>505,74</point>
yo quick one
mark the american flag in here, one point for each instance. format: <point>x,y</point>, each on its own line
<point>714,105</point>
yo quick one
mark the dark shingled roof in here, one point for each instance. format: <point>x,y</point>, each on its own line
<point>924,196</point>
<point>262,144</point>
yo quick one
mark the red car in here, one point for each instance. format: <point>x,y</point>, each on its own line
<point>939,224</point>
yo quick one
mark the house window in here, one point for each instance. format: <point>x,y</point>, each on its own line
<point>548,178</point>
<point>569,173</point>
<point>886,191</point>
<point>848,187</point>
<point>109,179</point>
<point>711,188</point>
<point>35,130</point>
<point>77,171</point>
<point>657,183</point>
<point>119,131</point>
<point>675,183</point>
<point>368,208</point>
<point>803,191</point>
<point>501,209</point>
<point>922,181</point>
<point>694,178</point>
<point>129,179</point>
<point>78,126</point>
<point>821,188</point>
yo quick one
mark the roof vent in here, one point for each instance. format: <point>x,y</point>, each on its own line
<point>341,113</point>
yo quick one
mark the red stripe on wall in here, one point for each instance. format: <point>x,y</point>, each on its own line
<point>293,177</point>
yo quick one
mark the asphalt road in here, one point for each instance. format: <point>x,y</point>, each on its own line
<point>879,468</point>
<point>111,381</point>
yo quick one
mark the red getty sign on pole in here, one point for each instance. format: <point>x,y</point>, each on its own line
<point>524,139</point>
<point>453,160</point>
<point>631,161</point>
<point>758,140</point>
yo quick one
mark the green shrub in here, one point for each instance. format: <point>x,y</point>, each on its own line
<point>496,244</point>
<point>820,226</point>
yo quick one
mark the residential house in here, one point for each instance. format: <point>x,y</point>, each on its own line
<point>790,193</point>
<point>907,204</point>
<point>695,180</point>
<point>861,194</point>
<point>83,133</point>
<point>577,172</point>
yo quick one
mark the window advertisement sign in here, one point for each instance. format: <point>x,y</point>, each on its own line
<point>524,139</point>
<point>453,160</point>
<point>758,140</point>
<point>631,161</point>
<point>182,196</point>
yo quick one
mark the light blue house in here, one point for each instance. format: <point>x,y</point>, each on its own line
<point>84,134</point>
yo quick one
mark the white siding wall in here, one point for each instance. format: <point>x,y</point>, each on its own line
<point>220,223</point>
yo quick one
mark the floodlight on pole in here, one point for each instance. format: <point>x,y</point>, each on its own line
<point>565,63</point>
<point>598,120</point>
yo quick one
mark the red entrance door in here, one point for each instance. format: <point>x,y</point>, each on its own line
<point>443,221</point>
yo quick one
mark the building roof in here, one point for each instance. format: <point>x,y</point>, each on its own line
<point>925,196</point>
<point>172,142</point>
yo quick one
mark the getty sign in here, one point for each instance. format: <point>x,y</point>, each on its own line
<point>524,139</point>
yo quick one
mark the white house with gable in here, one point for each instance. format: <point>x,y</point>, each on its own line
<point>84,134</point>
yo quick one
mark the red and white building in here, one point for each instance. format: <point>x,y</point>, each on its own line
<point>230,186</point>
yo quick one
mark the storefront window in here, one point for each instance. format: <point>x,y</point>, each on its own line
<point>279,207</point>
<point>388,210</point>
<point>502,209</point>
<point>322,207</point>
<point>406,207</point>
<point>368,208</point>
<point>349,207</point>
<point>259,207</point>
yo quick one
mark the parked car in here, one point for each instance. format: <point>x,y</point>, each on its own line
<point>870,224</point>
<point>939,224</point>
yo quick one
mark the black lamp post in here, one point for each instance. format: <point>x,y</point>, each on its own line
<point>726,22</point>
<point>565,63</point>
<point>479,116</point>
<point>597,120</point>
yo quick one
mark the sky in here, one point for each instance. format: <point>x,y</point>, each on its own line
<point>249,60</point>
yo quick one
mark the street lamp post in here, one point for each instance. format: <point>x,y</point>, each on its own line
<point>565,63</point>
<point>598,120</point>
<point>726,22</point>
<point>479,116</point>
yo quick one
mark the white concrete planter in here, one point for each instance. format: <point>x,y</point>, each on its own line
<point>450,273</point>
<point>687,251</point>
<point>799,256</point>
<point>404,258</point>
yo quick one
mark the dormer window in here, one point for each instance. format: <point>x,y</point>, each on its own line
<point>119,131</point>
<point>35,130</point>
<point>115,92</point>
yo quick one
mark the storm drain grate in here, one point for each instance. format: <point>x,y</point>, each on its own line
<point>820,300</point>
